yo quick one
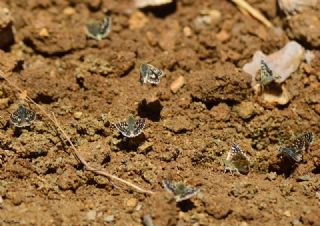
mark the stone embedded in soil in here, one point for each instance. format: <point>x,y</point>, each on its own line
<point>137,20</point>
<point>77,115</point>
<point>6,28</point>
<point>163,209</point>
<point>221,112</point>
<point>132,202</point>
<point>91,215</point>
<point>9,61</point>
<point>179,124</point>
<point>305,27</point>
<point>206,19</point>
<point>223,84</point>
<point>59,39</point>
<point>245,109</point>
<point>177,84</point>
<point>168,36</point>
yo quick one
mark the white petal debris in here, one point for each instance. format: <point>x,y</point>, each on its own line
<point>151,3</point>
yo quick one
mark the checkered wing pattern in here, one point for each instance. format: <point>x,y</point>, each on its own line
<point>131,130</point>
<point>22,117</point>
<point>150,74</point>
<point>238,159</point>
<point>298,146</point>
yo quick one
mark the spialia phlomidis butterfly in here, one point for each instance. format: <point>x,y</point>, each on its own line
<point>150,74</point>
<point>22,117</point>
<point>297,147</point>
<point>99,30</point>
<point>237,161</point>
<point>180,191</point>
<point>132,127</point>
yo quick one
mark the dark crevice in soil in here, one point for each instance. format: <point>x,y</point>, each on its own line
<point>211,104</point>
<point>162,11</point>
<point>44,99</point>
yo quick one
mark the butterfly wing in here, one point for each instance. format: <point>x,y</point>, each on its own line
<point>123,128</point>
<point>238,159</point>
<point>144,68</point>
<point>179,190</point>
<point>266,73</point>
<point>154,75</point>
<point>291,153</point>
<point>139,126</point>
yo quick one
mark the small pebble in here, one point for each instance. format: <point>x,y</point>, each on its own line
<point>77,115</point>
<point>132,202</point>
<point>44,32</point>
<point>177,84</point>
<point>109,218</point>
<point>69,11</point>
<point>187,31</point>
<point>91,215</point>
<point>223,36</point>
<point>145,147</point>
<point>137,20</point>
<point>287,213</point>
<point>245,109</point>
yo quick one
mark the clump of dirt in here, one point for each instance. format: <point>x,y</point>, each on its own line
<point>89,85</point>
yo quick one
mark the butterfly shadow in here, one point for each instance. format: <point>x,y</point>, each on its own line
<point>162,11</point>
<point>185,205</point>
<point>131,144</point>
<point>151,110</point>
<point>284,165</point>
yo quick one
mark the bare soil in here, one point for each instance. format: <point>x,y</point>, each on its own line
<point>187,134</point>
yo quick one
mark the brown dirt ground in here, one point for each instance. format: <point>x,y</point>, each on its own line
<point>188,133</point>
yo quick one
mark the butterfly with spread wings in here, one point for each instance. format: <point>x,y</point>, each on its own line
<point>132,127</point>
<point>22,117</point>
<point>150,74</point>
<point>180,191</point>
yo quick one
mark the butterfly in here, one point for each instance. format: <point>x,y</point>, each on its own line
<point>22,117</point>
<point>131,128</point>
<point>298,146</point>
<point>237,161</point>
<point>100,30</point>
<point>151,74</point>
<point>180,191</point>
<point>266,74</point>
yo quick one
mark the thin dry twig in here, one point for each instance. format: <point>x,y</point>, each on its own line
<point>75,152</point>
<point>254,12</point>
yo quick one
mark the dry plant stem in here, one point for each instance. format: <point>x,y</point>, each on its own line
<point>255,13</point>
<point>75,152</point>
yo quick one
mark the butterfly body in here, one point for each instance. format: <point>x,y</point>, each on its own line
<point>297,147</point>
<point>22,117</point>
<point>180,191</point>
<point>150,74</point>
<point>237,161</point>
<point>131,128</point>
<point>100,30</point>
<point>267,76</point>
